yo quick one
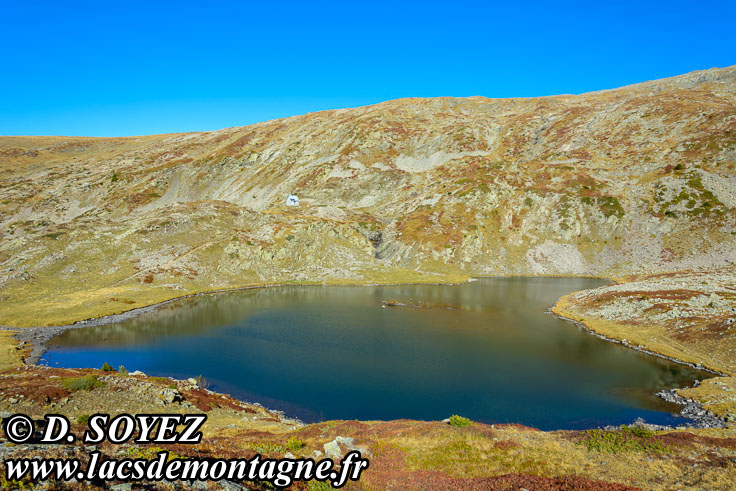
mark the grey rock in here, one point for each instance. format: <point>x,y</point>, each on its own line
<point>692,410</point>
<point>342,445</point>
<point>226,485</point>
<point>344,440</point>
<point>170,396</point>
<point>332,450</point>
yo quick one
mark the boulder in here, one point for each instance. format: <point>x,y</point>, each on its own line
<point>342,445</point>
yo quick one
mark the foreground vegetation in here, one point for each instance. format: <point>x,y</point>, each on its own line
<point>404,454</point>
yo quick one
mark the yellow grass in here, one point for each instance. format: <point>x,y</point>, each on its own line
<point>51,310</point>
<point>10,354</point>
<point>650,337</point>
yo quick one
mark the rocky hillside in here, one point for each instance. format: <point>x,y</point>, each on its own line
<point>635,180</point>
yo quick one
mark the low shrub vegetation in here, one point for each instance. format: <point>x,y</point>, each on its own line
<point>459,421</point>
<point>202,382</point>
<point>87,382</point>
<point>266,447</point>
<point>628,439</point>
<point>294,444</point>
<point>150,453</point>
<point>318,486</point>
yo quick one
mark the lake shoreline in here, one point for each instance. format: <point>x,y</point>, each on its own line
<point>625,314</point>
<point>692,410</point>
<point>626,344</point>
<point>39,336</point>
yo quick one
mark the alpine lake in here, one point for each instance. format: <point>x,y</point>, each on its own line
<point>487,350</point>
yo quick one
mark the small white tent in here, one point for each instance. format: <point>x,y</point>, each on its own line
<point>292,200</point>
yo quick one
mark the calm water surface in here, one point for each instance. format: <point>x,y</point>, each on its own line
<point>486,350</point>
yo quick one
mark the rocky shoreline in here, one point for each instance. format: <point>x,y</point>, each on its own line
<point>693,410</point>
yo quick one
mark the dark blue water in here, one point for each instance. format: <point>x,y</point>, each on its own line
<point>486,350</point>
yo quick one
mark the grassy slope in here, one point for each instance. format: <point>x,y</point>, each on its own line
<point>10,354</point>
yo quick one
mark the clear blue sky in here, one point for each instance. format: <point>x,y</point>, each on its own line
<point>108,68</point>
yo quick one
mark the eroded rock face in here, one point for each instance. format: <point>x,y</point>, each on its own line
<point>633,180</point>
<point>553,258</point>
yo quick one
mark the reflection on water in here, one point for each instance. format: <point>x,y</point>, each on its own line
<point>334,353</point>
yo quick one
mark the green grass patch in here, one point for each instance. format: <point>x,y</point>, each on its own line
<point>150,453</point>
<point>628,439</point>
<point>459,421</point>
<point>638,432</point>
<point>268,448</point>
<point>25,483</point>
<point>608,205</point>
<point>294,444</point>
<point>88,382</point>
